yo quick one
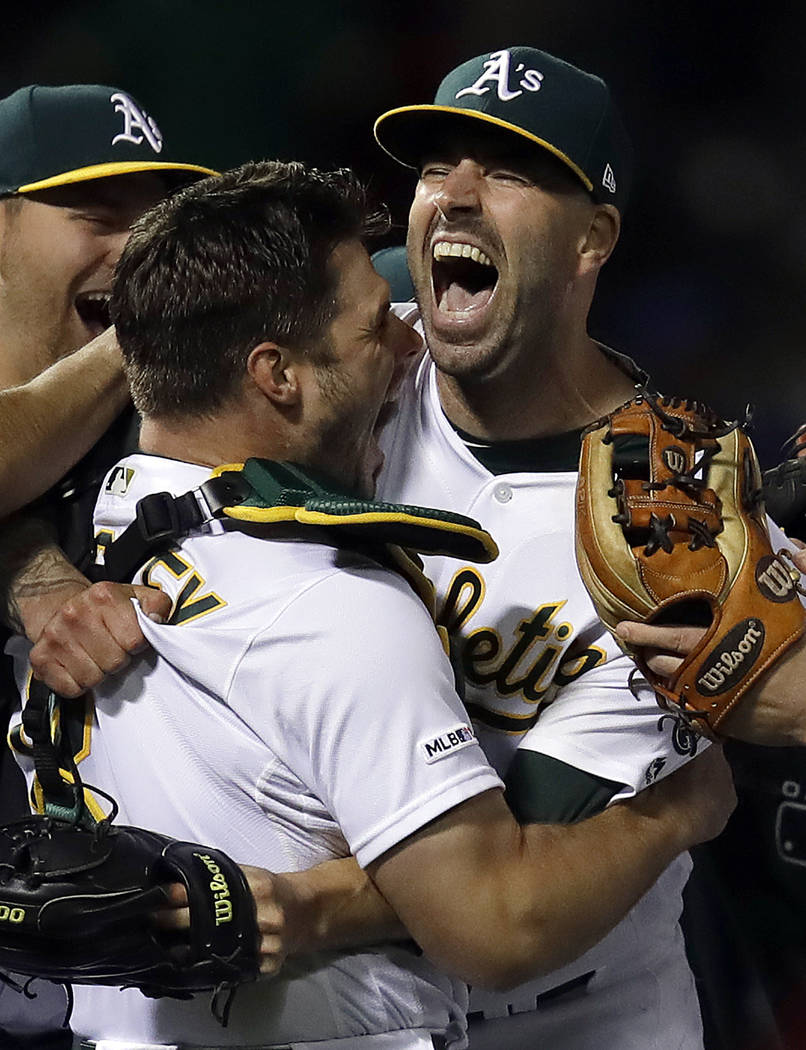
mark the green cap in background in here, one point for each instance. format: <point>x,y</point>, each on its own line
<point>53,136</point>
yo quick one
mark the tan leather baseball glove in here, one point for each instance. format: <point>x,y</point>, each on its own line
<point>671,529</point>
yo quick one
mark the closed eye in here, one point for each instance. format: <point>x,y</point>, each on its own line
<point>101,218</point>
<point>435,171</point>
<point>509,176</point>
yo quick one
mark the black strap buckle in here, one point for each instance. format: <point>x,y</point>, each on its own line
<point>225,490</point>
<point>161,520</point>
<point>157,517</point>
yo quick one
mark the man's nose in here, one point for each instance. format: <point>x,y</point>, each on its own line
<point>460,189</point>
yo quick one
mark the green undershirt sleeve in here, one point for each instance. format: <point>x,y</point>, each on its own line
<point>543,790</point>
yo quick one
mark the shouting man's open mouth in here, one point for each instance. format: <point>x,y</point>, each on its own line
<point>463,278</point>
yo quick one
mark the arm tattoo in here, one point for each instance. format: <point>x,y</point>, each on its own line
<point>32,564</point>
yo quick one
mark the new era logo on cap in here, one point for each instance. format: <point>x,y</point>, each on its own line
<point>53,136</point>
<point>539,98</point>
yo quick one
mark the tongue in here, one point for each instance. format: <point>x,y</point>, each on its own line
<point>456,298</point>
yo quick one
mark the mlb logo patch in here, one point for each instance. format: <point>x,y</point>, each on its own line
<point>119,481</point>
<point>447,743</point>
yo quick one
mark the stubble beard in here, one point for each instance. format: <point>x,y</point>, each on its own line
<point>505,347</point>
<point>333,451</point>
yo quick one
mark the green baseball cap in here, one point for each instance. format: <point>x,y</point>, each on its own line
<point>53,136</point>
<point>534,95</point>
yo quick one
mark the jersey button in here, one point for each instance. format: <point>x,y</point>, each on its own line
<point>502,492</point>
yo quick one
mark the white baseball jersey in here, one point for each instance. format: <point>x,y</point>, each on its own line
<point>543,675</point>
<point>283,718</point>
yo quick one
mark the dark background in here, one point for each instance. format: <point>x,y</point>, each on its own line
<point>705,287</point>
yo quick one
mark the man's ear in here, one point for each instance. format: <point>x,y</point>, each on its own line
<point>273,369</point>
<point>598,243</point>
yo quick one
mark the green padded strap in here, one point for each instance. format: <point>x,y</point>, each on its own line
<point>282,492</point>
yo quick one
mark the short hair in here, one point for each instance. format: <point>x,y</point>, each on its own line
<point>225,264</point>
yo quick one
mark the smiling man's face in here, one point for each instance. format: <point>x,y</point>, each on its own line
<point>494,232</point>
<point>58,250</point>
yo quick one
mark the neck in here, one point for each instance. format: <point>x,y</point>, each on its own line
<point>209,441</point>
<point>549,391</point>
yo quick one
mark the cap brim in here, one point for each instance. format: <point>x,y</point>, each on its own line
<point>103,171</point>
<point>404,129</point>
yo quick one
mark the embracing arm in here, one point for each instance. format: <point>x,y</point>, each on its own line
<point>486,899</point>
<point>81,632</point>
<point>48,424</point>
<point>334,905</point>
<point>534,898</point>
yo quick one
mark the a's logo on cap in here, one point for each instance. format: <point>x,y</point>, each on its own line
<point>609,179</point>
<point>137,125</point>
<point>497,71</point>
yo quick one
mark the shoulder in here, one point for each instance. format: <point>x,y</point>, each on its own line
<point>359,597</point>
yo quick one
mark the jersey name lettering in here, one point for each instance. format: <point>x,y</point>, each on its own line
<point>189,604</point>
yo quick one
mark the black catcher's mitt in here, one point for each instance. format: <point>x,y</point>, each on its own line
<point>75,907</point>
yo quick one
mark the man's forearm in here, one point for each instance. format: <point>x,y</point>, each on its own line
<point>487,900</point>
<point>82,632</point>
<point>47,425</point>
<point>636,842</point>
<point>36,578</point>
<point>496,904</point>
<point>334,905</point>
<point>337,906</point>
<point>773,711</point>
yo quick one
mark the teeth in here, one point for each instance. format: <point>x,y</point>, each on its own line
<point>94,297</point>
<point>445,249</point>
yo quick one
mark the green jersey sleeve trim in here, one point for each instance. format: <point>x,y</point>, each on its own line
<point>543,790</point>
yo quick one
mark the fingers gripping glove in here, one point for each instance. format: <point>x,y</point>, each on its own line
<point>670,528</point>
<point>75,906</point>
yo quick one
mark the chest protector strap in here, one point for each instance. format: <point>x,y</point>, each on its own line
<point>262,492</point>
<point>259,492</point>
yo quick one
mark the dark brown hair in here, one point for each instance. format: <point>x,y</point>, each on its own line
<point>225,264</point>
